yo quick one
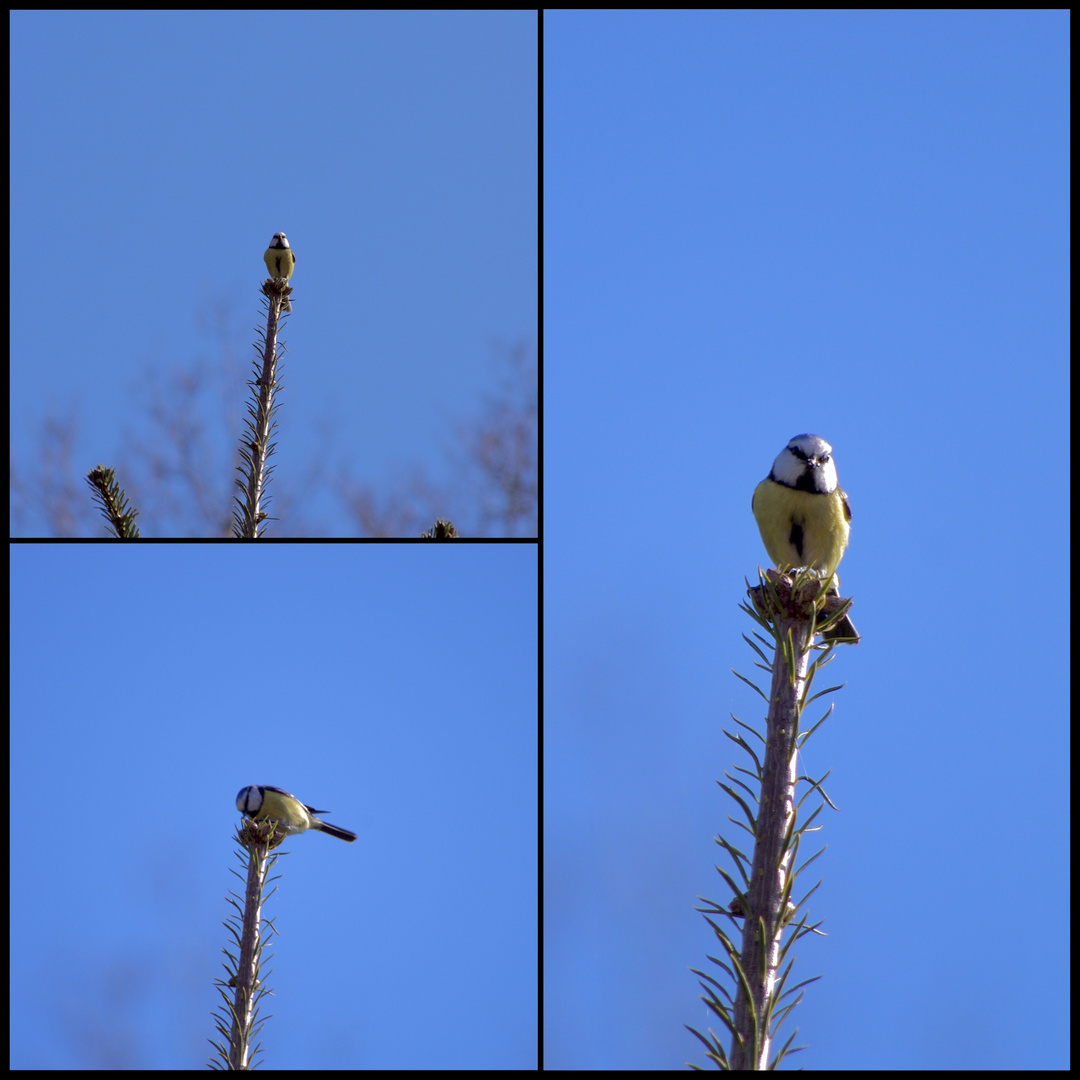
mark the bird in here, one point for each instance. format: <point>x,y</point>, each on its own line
<point>280,260</point>
<point>261,802</point>
<point>804,514</point>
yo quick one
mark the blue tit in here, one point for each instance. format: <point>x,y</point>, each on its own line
<point>803,513</point>
<point>801,510</point>
<point>262,802</point>
<point>280,261</point>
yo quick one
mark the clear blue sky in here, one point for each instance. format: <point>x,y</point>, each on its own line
<point>393,686</point>
<point>759,224</point>
<point>154,154</point>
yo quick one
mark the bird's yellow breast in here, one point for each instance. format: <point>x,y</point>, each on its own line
<point>802,528</point>
<point>280,262</point>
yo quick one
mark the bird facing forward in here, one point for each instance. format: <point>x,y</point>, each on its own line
<point>280,261</point>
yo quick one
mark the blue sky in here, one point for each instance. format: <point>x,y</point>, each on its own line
<point>393,686</point>
<point>759,224</point>
<point>154,154</point>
